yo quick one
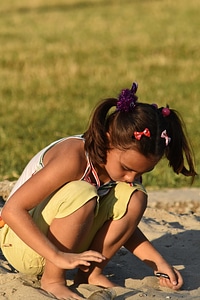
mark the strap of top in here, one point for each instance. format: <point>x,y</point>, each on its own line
<point>90,172</point>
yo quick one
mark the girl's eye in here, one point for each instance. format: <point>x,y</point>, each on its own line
<point>125,168</point>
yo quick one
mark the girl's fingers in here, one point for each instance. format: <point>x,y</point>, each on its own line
<point>73,260</point>
<point>171,280</point>
<point>93,256</point>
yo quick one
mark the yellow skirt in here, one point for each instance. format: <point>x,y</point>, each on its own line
<point>64,202</point>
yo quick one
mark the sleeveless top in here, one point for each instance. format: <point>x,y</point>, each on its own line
<point>36,164</point>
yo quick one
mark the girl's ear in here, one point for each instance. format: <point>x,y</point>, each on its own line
<point>109,139</point>
<point>108,135</point>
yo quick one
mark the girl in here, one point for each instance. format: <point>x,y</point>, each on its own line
<point>85,192</point>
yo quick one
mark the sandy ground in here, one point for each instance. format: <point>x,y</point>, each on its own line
<point>171,222</point>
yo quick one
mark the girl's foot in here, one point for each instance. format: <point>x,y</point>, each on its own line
<point>99,280</point>
<point>59,291</point>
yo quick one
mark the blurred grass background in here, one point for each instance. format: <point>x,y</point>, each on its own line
<point>59,58</point>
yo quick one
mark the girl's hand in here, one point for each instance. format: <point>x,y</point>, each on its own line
<point>78,260</point>
<point>174,280</point>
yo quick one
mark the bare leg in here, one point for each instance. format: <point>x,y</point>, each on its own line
<point>66,233</point>
<point>111,237</point>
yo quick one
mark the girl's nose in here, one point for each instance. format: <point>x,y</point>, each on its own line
<point>130,177</point>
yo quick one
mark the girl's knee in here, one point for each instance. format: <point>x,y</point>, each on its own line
<point>138,198</point>
<point>137,204</point>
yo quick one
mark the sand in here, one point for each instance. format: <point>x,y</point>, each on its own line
<point>171,222</point>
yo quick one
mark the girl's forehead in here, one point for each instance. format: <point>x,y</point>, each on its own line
<point>134,159</point>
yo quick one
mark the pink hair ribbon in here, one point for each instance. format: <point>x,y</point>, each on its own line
<point>139,134</point>
<point>166,137</point>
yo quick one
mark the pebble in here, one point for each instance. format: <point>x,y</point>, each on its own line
<point>107,294</point>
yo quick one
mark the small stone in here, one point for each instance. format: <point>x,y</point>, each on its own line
<point>107,294</point>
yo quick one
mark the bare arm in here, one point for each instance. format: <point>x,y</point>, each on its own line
<point>34,191</point>
<point>139,245</point>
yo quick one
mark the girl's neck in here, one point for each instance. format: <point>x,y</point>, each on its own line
<point>102,174</point>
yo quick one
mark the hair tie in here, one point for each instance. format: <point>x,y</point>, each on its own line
<point>139,134</point>
<point>127,99</point>
<point>154,105</point>
<point>166,111</point>
<point>166,137</point>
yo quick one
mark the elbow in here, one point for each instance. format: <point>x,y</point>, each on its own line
<point>6,213</point>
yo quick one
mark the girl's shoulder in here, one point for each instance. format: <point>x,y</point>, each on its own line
<point>58,163</point>
<point>68,155</point>
<point>71,145</point>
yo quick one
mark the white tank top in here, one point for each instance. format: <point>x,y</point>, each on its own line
<point>36,164</point>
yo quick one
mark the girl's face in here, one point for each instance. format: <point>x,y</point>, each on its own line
<point>128,165</point>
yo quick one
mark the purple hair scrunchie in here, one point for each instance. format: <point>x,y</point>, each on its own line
<point>127,99</point>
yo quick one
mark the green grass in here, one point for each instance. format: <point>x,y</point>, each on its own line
<point>59,58</point>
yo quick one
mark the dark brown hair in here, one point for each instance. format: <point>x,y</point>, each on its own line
<point>121,126</point>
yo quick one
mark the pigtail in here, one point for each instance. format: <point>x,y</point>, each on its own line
<point>96,140</point>
<point>179,148</point>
